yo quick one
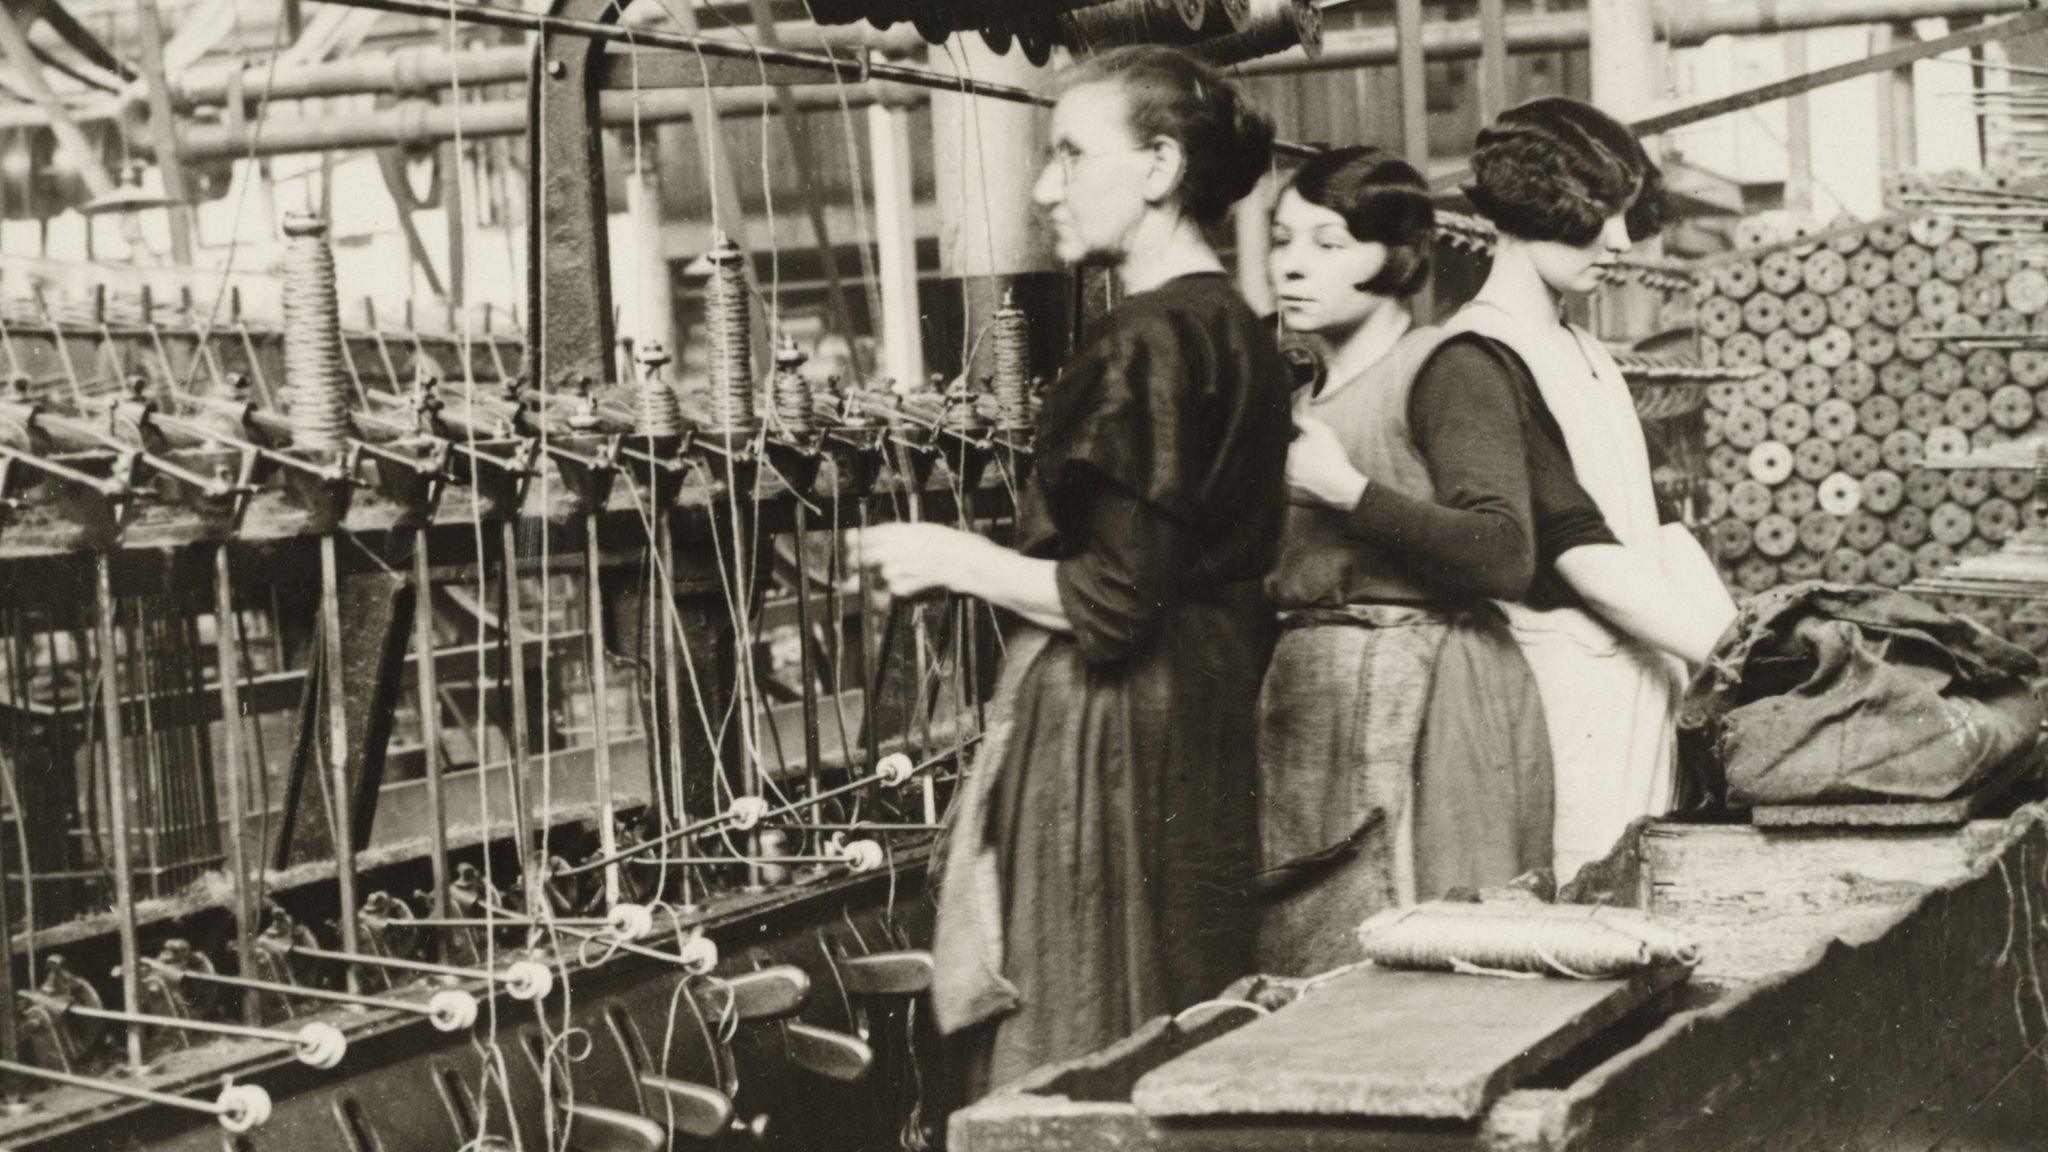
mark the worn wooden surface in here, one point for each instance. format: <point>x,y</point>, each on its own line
<point>1920,1031</point>
<point>1377,1042</point>
<point>1083,1105</point>
<point>1761,900</point>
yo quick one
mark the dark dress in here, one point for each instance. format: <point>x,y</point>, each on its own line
<point>1124,815</point>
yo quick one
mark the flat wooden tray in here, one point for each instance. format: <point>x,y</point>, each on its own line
<point>1377,1042</point>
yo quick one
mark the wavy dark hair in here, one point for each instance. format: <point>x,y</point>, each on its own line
<point>1228,142</point>
<point>1557,169</point>
<point>1383,200</point>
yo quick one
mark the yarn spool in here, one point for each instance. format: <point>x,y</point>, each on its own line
<point>317,404</point>
<point>728,317</point>
<point>789,393</point>
<point>1566,940</point>
<point>1270,26</point>
<point>656,410</point>
<point>1012,380</point>
<point>1095,27</point>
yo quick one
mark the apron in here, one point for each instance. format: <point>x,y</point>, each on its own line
<point>1610,703</point>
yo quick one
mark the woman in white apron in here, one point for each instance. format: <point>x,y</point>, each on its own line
<point>1569,189</point>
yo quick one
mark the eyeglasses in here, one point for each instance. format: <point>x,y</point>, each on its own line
<point>1068,157</point>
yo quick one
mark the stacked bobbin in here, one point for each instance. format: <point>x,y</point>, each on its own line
<point>1816,464</point>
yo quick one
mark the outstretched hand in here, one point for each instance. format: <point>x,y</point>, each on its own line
<point>914,559</point>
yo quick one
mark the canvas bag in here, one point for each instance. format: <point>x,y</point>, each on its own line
<point>1827,693</point>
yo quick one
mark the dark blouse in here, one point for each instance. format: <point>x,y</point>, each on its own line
<point>1160,462</point>
<point>1471,397</point>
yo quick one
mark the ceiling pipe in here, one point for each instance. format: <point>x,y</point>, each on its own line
<point>1681,23</point>
<point>418,123</point>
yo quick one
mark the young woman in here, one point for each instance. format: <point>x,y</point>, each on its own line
<point>1104,845</point>
<point>1570,189</point>
<point>1402,747</point>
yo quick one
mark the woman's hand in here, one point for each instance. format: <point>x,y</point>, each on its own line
<point>1318,469</point>
<point>912,559</point>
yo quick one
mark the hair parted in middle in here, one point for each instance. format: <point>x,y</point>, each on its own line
<point>1383,200</point>
<point>1557,169</point>
<point>1227,141</point>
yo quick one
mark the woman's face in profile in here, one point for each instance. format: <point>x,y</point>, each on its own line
<point>1579,267</point>
<point>1317,267</point>
<point>1091,183</point>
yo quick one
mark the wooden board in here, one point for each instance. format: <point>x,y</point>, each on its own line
<point>1921,1032</point>
<point>1377,1042</point>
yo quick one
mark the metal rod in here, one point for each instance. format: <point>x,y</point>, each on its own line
<point>520,972</point>
<point>186,1023</point>
<point>337,742</point>
<point>117,801</point>
<point>256,988</point>
<point>1748,98</point>
<point>846,67</point>
<point>427,673</point>
<point>513,629</point>
<point>229,658</point>
<point>114,1088</point>
<point>600,703</point>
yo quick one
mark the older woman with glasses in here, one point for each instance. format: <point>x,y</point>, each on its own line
<point>1103,846</point>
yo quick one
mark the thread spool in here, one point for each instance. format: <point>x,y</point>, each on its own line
<point>528,980</point>
<point>1270,26</point>
<point>861,855</point>
<point>1012,382</point>
<point>746,811</point>
<point>656,410</point>
<point>789,394</point>
<point>732,356</point>
<point>1094,27</point>
<point>700,954</point>
<point>630,921</point>
<point>895,769</point>
<point>318,400</point>
<point>453,1010</point>
<point>321,1046</point>
<point>242,1107</point>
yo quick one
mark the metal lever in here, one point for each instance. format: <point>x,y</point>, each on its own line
<point>831,1054</point>
<point>694,1109</point>
<point>887,973</point>
<point>770,994</point>
<point>595,1129</point>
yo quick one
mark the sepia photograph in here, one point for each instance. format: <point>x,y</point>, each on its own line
<point>1023,576</point>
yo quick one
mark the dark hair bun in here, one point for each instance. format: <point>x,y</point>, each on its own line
<point>1228,142</point>
<point>1383,200</point>
<point>1557,169</point>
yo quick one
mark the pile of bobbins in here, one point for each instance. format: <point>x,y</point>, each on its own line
<point>1815,464</point>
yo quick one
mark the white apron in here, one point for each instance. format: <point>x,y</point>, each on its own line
<point>1611,703</point>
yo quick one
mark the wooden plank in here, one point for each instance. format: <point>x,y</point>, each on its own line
<point>1723,880</point>
<point>1921,1031</point>
<point>1354,1047</point>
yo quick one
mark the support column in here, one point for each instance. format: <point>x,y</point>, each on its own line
<point>987,154</point>
<point>163,125</point>
<point>651,299</point>
<point>901,325</point>
<point>1411,68</point>
<point>1898,143</point>
<point>1798,131</point>
<point>1626,61</point>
